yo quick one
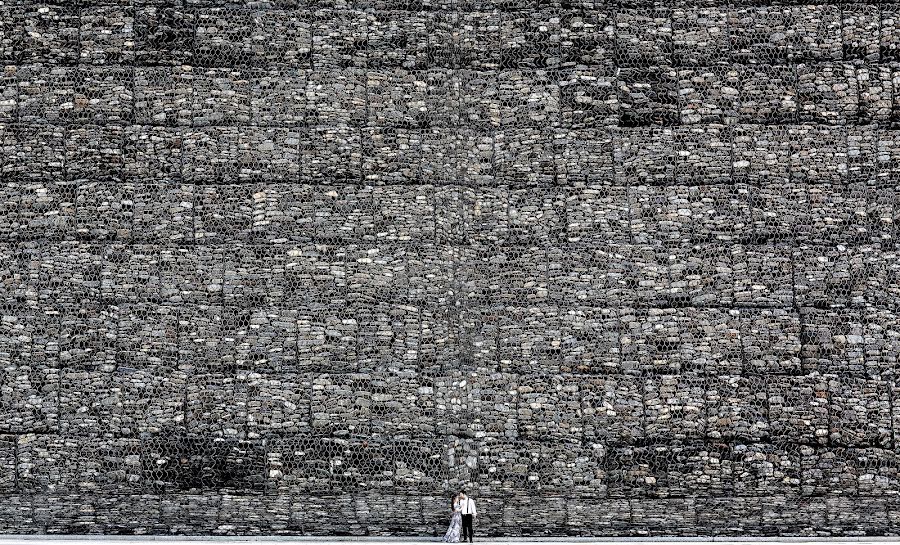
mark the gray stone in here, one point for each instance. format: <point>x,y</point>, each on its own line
<point>268,267</point>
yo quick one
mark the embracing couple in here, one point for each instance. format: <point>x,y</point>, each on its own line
<point>463,513</point>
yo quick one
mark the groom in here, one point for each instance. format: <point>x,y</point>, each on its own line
<point>468,515</point>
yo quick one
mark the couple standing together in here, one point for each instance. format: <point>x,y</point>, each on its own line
<point>463,513</point>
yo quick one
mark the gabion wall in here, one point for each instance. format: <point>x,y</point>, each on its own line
<point>291,267</point>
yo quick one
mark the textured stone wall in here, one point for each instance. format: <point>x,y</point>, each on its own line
<point>289,267</point>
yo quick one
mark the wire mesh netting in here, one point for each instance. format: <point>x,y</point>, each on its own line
<point>312,267</point>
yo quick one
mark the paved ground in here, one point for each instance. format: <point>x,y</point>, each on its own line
<point>118,540</point>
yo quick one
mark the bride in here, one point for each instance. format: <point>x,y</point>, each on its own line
<point>452,535</point>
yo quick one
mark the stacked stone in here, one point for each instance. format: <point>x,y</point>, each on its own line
<point>284,267</point>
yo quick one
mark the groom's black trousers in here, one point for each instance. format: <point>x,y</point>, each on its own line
<point>467,527</point>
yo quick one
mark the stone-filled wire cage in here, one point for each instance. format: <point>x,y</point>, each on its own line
<point>621,267</point>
